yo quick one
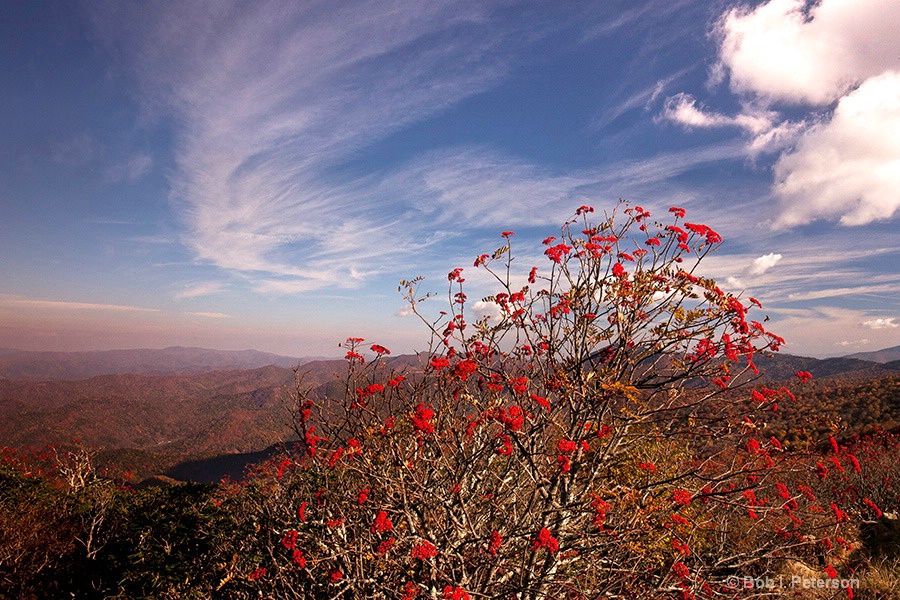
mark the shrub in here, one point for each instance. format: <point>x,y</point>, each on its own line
<point>580,444</point>
<point>67,532</point>
<point>37,533</point>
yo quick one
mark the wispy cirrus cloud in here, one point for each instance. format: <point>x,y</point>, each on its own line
<point>209,315</point>
<point>131,169</point>
<point>198,290</point>
<point>885,288</point>
<point>481,188</point>
<point>272,111</point>
<point>814,331</point>
<point>638,14</point>
<point>270,96</point>
<point>19,302</point>
<point>802,272</point>
<point>643,98</point>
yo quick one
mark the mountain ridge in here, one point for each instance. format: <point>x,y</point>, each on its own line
<point>162,419</point>
<point>67,366</point>
<point>885,355</point>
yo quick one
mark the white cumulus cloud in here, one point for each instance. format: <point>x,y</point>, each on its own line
<point>836,59</point>
<point>849,166</point>
<point>763,263</point>
<point>790,51</point>
<point>885,323</point>
<point>852,343</point>
<point>683,109</point>
<point>758,267</point>
<point>484,309</point>
<point>768,133</point>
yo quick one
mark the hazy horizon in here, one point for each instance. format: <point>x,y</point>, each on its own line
<point>340,352</point>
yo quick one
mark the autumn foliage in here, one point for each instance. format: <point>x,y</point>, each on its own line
<point>578,443</point>
<point>578,436</point>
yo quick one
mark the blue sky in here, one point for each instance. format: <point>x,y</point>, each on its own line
<point>237,175</point>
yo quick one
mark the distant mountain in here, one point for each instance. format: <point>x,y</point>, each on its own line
<point>215,422</point>
<point>880,356</point>
<point>81,365</point>
<point>782,367</point>
<point>65,366</point>
<point>151,422</point>
<point>159,419</point>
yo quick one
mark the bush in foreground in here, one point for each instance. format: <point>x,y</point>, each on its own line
<point>584,442</point>
<point>579,444</point>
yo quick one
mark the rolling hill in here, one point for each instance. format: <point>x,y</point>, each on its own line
<point>151,422</point>
<point>162,419</point>
<point>194,420</point>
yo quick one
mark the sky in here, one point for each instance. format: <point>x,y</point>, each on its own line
<point>262,174</point>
